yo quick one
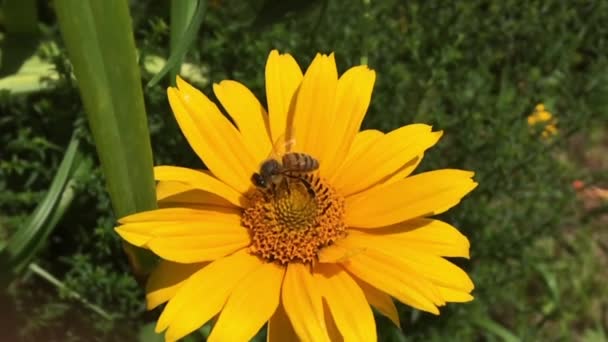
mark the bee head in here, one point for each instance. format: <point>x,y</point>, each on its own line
<point>259,181</point>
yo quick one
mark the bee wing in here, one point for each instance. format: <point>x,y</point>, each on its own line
<point>284,144</point>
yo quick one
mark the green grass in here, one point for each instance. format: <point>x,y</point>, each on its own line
<point>472,69</point>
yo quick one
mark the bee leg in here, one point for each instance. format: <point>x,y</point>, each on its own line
<point>309,189</point>
<point>285,181</point>
<point>274,189</point>
<point>311,192</point>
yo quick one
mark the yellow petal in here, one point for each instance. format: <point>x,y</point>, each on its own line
<point>363,140</point>
<point>426,235</point>
<point>390,276</point>
<point>134,237</point>
<point>380,300</point>
<point>138,229</point>
<point>166,279</point>
<point>313,116</point>
<point>429,266</point>
<point>250,305</point>
<point>200,247</point>
<point>353,94</point>
<point>203,295</point>
<point>386,156</point>
<point>283,76</point>
<point>214,139</point>
<point>347,304</point>
<point>248,115</point>
<point>199,180</point>
<point>176,194</point>
<point>452,295</point>
<point>228,215</point>
<point>424,194</point>
<point>336,253</point>
<point>167,189</point>
<point>330,324</point>
<point>404,171</point>
<point>279,327</point>
<point>187,241</point>
<point>302,302</point>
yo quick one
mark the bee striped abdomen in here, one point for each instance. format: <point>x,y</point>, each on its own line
<point>299,162</point>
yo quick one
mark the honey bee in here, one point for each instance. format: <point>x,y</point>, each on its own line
<point>273,173</point>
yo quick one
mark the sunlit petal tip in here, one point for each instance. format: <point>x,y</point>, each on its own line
<point>314,64</point>
<point>359,72</point>
<point>370,76</point>
<point>434,137</point>
<point>277,57</point>
<point>468,254</point>
<point>172,94</point>
<point>134,238</point>
<point>274,53</point>
<point>124,220</point>
<point>181,83</point>
<point>454,296</point>
<point>332,58</point>
<point>222,83</point>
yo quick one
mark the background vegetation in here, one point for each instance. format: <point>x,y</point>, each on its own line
<point>473,69</point>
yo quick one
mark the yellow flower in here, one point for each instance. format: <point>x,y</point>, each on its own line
<point>542,116</point>
<point>539,107</point>
<point>549,131</point>
<point>310,252</point>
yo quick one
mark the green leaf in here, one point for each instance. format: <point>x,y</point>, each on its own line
<point>182,13</point>
<point>183,42</point>
<point>25,243</point>
<point>552,283</point>
<point>147,334</point>
<point>100,44</point>
<point>20,16</point>
<point>495,329</point>
<point>51,279</point>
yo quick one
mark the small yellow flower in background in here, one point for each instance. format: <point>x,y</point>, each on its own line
<point>541,116</point>
<point>307,249</point>
<point>549,131</point>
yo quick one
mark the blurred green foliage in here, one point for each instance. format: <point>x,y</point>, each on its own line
<point>472,69</point>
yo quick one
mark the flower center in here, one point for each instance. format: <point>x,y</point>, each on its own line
<point>292,220</point>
